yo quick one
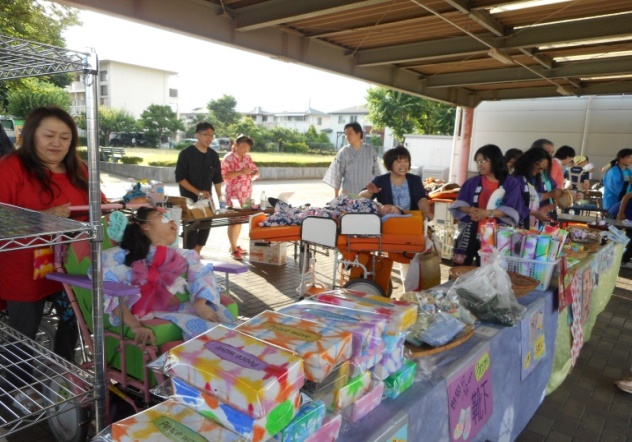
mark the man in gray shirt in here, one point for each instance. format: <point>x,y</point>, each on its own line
<point>355,165</point>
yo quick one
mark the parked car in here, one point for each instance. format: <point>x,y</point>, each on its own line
<point>128,140</point>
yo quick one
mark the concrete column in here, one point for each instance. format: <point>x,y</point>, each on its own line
<point>464,147</point>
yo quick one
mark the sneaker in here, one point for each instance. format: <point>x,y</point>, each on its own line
<point>237,255</point>
<point>242,251</point>
<point>625,384</point>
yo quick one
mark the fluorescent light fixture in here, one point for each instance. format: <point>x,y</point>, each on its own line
<point>594,41</point>
<point>607,77</point>
<point>593,56</point>
<point>563,90</point>
<point>500,56</point>
<point>524,5</point>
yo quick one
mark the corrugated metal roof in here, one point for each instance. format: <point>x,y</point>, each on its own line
<point>456,51</point>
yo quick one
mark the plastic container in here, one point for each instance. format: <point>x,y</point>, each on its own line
<point>539,270</point>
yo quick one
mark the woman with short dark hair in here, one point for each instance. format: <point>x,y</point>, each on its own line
<point>471,205</point>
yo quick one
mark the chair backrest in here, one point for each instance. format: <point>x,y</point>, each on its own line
<point>360,224</point>
<point>320,231</point>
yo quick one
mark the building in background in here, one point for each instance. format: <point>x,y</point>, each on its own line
<point>348,115</point>
<point>127,86</point>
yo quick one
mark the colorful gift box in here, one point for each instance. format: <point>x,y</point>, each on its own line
<point>367,328</point>
<point>401,380</point>
<point>253,429</point>
<point>400,315</point>
<point>363,363</point>
<point>329,431</point>
<point>307,421</point>
<point>393,357</point>
<point>321,346</point>
<point>354,389</point>
<point>251,375</point>
<point>366,403</point>
<point>326,390</point>
<point>169,421</point>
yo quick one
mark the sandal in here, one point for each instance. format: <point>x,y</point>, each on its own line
<point>237,255</point>
<point>242,251</point>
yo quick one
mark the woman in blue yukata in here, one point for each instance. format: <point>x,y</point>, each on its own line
<point>399,187</point>
<point>537,192</point>
<point>147,258</point>
<point>473,202</point>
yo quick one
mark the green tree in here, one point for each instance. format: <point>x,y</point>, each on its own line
<point>407,114</point>
<point>248,127</point>
<point>111,120</point>
<point>222,112</point>
<point>158,121</point>
<point>39,21</point>
<point>35,93</point>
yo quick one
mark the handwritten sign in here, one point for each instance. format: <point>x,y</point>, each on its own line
<point>470,398</point>
<point>532,341</point>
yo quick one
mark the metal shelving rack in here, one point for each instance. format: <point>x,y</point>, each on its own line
<point>26,229</point>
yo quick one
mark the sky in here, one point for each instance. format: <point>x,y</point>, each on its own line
<point>207,71</point>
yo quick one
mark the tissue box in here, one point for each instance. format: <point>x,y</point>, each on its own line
<point>367,328</point>
<point>401,380</point>
<point>274,253</point>
<point>250,375</point>
<point>392,358</point>
<point>326,390</point>
<point>365,404</point>
<point>307,421</point>
<point>253,429</point>
<point>321,346</point>
<point>356,387</point>
<point>363,363</point>
<point>329,431</point>
<point>401,315</point>
<point>170,421</point>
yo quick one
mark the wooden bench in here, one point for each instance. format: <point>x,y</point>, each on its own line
<point>112,154</point>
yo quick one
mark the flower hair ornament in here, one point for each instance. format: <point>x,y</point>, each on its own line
<point>116,225</point>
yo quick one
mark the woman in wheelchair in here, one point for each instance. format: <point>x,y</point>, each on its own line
<point>147,258</point>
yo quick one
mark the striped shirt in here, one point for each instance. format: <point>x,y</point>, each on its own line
<point>351,170</point>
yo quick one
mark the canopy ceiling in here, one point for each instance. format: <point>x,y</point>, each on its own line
<point>456,51</point>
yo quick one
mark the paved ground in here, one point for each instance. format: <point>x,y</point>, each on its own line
<point>586,407</point>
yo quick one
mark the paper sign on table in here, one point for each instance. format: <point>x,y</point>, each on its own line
<point>532,339</point>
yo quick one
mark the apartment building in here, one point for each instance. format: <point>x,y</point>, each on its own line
<point>127,86</point>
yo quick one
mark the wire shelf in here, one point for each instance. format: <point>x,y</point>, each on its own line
<point>53,385</point>
<point>22,228</point>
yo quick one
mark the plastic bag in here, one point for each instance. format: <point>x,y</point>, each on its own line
<point>487,293</point>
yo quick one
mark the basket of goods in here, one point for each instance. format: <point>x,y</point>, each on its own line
<point>520,284</point>
<point>564,201</point>
<point>442,323</point>
<point>584,235</point>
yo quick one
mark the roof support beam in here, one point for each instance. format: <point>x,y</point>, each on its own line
<point>276,12</point>
<point>587,68</point>
<point>579,30</point>
<point>483,18</point>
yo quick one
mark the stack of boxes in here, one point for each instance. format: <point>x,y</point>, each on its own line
<point>288,376</point>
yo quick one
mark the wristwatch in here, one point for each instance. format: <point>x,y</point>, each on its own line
<point>491,213</point>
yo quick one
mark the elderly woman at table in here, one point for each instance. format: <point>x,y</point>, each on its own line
<point>492,194</point>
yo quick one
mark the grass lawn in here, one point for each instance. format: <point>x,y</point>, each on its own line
<point>149,155</point>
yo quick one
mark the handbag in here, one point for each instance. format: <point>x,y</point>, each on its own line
<point>429,268</point>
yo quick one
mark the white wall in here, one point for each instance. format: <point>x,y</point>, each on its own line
<point>429,150</point>
<point>597,127</point>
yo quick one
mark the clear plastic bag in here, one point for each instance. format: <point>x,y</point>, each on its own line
<point>487,293</point>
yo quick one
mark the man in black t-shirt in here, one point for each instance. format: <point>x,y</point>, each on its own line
<point>197,170</point>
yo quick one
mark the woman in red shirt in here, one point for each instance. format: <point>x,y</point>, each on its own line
<point>47,175</point>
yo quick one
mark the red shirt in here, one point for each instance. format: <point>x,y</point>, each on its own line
<point>489,187</point>
<point>19,189</point>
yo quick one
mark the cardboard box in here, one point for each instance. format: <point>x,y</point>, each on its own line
<point>182,202</point>
<point>274,253</point>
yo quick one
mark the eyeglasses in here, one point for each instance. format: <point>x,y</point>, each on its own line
<point>481,162</point>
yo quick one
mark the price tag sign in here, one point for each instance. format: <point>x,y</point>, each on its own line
<point>533,347</point>
<point>470,397</point>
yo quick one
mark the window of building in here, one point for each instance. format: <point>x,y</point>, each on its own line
<point>173,93</point>
<point>104,90</point>
<point>319,121</point>
<point>353,118</point>
<point>103,101</point>
<point>103,76</point>
<point>341,119</point>
<point>264,118</point>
